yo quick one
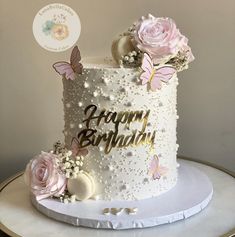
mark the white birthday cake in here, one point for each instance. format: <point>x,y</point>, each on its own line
<point>120,120</point>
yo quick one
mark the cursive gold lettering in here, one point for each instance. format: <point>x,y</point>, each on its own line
<point>111,139</point>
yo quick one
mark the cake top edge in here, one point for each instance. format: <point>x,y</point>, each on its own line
<point>100,63</point>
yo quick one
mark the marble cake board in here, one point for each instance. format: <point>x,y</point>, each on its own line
<point>191,195</point>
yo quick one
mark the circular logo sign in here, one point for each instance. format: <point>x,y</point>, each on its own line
<point>56,27</point>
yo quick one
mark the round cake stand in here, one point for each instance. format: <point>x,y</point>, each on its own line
<point>19,218</point>
<point>191,194</point>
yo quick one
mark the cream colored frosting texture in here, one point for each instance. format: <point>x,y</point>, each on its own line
<point>123,173</point>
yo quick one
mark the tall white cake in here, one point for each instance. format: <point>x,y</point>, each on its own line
<point>120,153</point>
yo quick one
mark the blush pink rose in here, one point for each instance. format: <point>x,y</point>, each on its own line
<point>159,37</point>
<point>186,50</point>
<point>43,176</point>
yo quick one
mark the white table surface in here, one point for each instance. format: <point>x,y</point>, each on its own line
<point>19,218</point>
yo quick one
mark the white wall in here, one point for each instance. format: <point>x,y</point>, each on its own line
<point>31,116</point>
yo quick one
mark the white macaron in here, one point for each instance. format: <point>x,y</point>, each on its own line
<point>83,187</point>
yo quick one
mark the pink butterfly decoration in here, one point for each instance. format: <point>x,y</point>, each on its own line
<point>155,75</point>
<point>76,149</point>
<point>156,170</point>
<point>69,70</point>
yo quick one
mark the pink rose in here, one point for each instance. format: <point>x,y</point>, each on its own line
<point>158,37</point>
<point>188,52</point>
<point>43,176</point>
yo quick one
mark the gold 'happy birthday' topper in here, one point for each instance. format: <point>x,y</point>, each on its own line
<point>112,139</point>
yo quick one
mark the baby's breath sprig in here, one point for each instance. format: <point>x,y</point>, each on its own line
<point>71,165</point>
<point>180,61</point>
<point>132,28</point>
<point>58,148</point>
<point>130,31</point>
<point>132,59</point>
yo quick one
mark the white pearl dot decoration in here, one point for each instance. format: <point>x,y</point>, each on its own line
<point>110,167</point>
<point>101,148</point>
<point>68,105</point>
<point>86,85</point>
<point>95,94</point>
<point>111,97</point>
